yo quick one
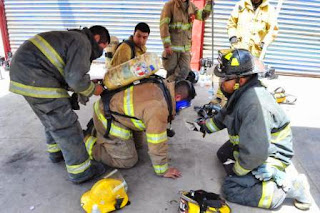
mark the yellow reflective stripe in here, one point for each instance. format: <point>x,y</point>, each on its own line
<point>157,138</point>
<point>180,25</point>
<point>128,108</point>
<point>166,40</point>
<point>185,48</point>
<point>100,116</point>
<point>212,127</point>
<point>165,21</point>
<point>160,169</point>
<point>276,163</point>
<point>234,139</point>
<point>77,169</point>
<point>90,141</point>
<point>49,52</point>
<point>239,170</point>
<point>88,91</point>
<point>267,194</point>
<point>51,148</point>
<point>37,92</point>
<point>119,132</point>
<point>279,136</point>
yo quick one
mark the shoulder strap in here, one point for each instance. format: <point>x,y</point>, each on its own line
<point>132,47</point>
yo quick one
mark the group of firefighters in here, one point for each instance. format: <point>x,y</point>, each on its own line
<point>259,149</point>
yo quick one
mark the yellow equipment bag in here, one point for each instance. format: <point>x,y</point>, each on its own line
<point>200,201</point>
<point>135,69</point>
<point>106,195</point>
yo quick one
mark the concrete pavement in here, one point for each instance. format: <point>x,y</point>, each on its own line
<point>29,182</point>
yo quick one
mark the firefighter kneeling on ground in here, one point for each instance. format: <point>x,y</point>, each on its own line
<point>138,111</point>
<point>260,139</point>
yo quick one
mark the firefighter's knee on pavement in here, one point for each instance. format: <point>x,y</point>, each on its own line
<point>124,163</point>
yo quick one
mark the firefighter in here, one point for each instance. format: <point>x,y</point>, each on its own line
<point>176,32</point>
<point>249,25</point>
<point>134,46</point>
<point>260,138</point>
<point>147,107</point>
<point>43,69</point>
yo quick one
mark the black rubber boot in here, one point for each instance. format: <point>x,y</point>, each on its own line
<point>56,157</point>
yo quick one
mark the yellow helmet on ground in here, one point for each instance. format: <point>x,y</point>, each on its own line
<point>201,201</point>
<point>107,195</point>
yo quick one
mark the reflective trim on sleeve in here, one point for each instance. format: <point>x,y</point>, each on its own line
<point>90,141</point>
<point>211,126</point>
<point>119,132</point>
<point>157,138</point>
<point>166,40</point>
<point>234,139</point>
<point>100,116</point>
<point>37,92</point>
<point>160,169</point>
<point>239,170</point>
<point>208,8</point>
<point>77,169</point>
<point>281,135</point>
<point>89,90</point>
<point>165,21</point>
<point>50,53</point>
<point>129,110</point>
<point>52,148</point>
<point>267,194</point>
<point>199,15</point>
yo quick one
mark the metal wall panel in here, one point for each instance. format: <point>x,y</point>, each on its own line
<point>28,17</point>
<point>297,47</point>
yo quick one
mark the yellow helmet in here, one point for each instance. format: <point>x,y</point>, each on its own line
<point>107,195</point>
<point>202,202</point>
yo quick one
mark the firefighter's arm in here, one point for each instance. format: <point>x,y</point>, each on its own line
<point>233,22</point>
<point>212,125</point>
<point>78,65</point>
<point>203,14</point>
<point>122,54</point>
<point>272,23</point>
<point>165,20</point>
<point>253,140</point>
<point>155,120</point>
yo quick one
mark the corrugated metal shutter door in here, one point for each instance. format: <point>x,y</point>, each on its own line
<point>297,47</point>
<point>27,18</point>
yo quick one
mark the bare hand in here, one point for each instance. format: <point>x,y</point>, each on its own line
<point>172,173</point>
<point>168,50</point>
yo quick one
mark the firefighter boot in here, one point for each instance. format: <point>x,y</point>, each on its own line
<point>300,192</point>
<point>56,157</point>
<point>96,170</point>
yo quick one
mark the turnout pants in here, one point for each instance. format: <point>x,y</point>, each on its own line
<point>247,190</point>
<point>63,134</point>
<point>116,151</point>
<point>177,65</point>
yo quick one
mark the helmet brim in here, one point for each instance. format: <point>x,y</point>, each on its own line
<point>218,73</point>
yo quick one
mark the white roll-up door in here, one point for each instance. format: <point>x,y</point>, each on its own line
<point>297,47</point>
<point>28,17</point>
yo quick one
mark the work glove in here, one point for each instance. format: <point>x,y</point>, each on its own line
<point>83,99</point>
<point>267,172</point>
<point>233,40</point>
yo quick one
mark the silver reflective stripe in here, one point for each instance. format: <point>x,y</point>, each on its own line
<point>50,53</point>
<point>38,92</point>
<point>77,169</point>
<point>157,138</point>
<point>239,170</point>
<point>160,169</point>
<point>234,139</point>
<point>89,145</point>
<point>120,132</point>
<point>88,91</point>
<point>212,127</point>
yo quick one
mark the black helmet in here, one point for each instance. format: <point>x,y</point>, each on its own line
<point>237,63</point>
<point>192,77</point>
